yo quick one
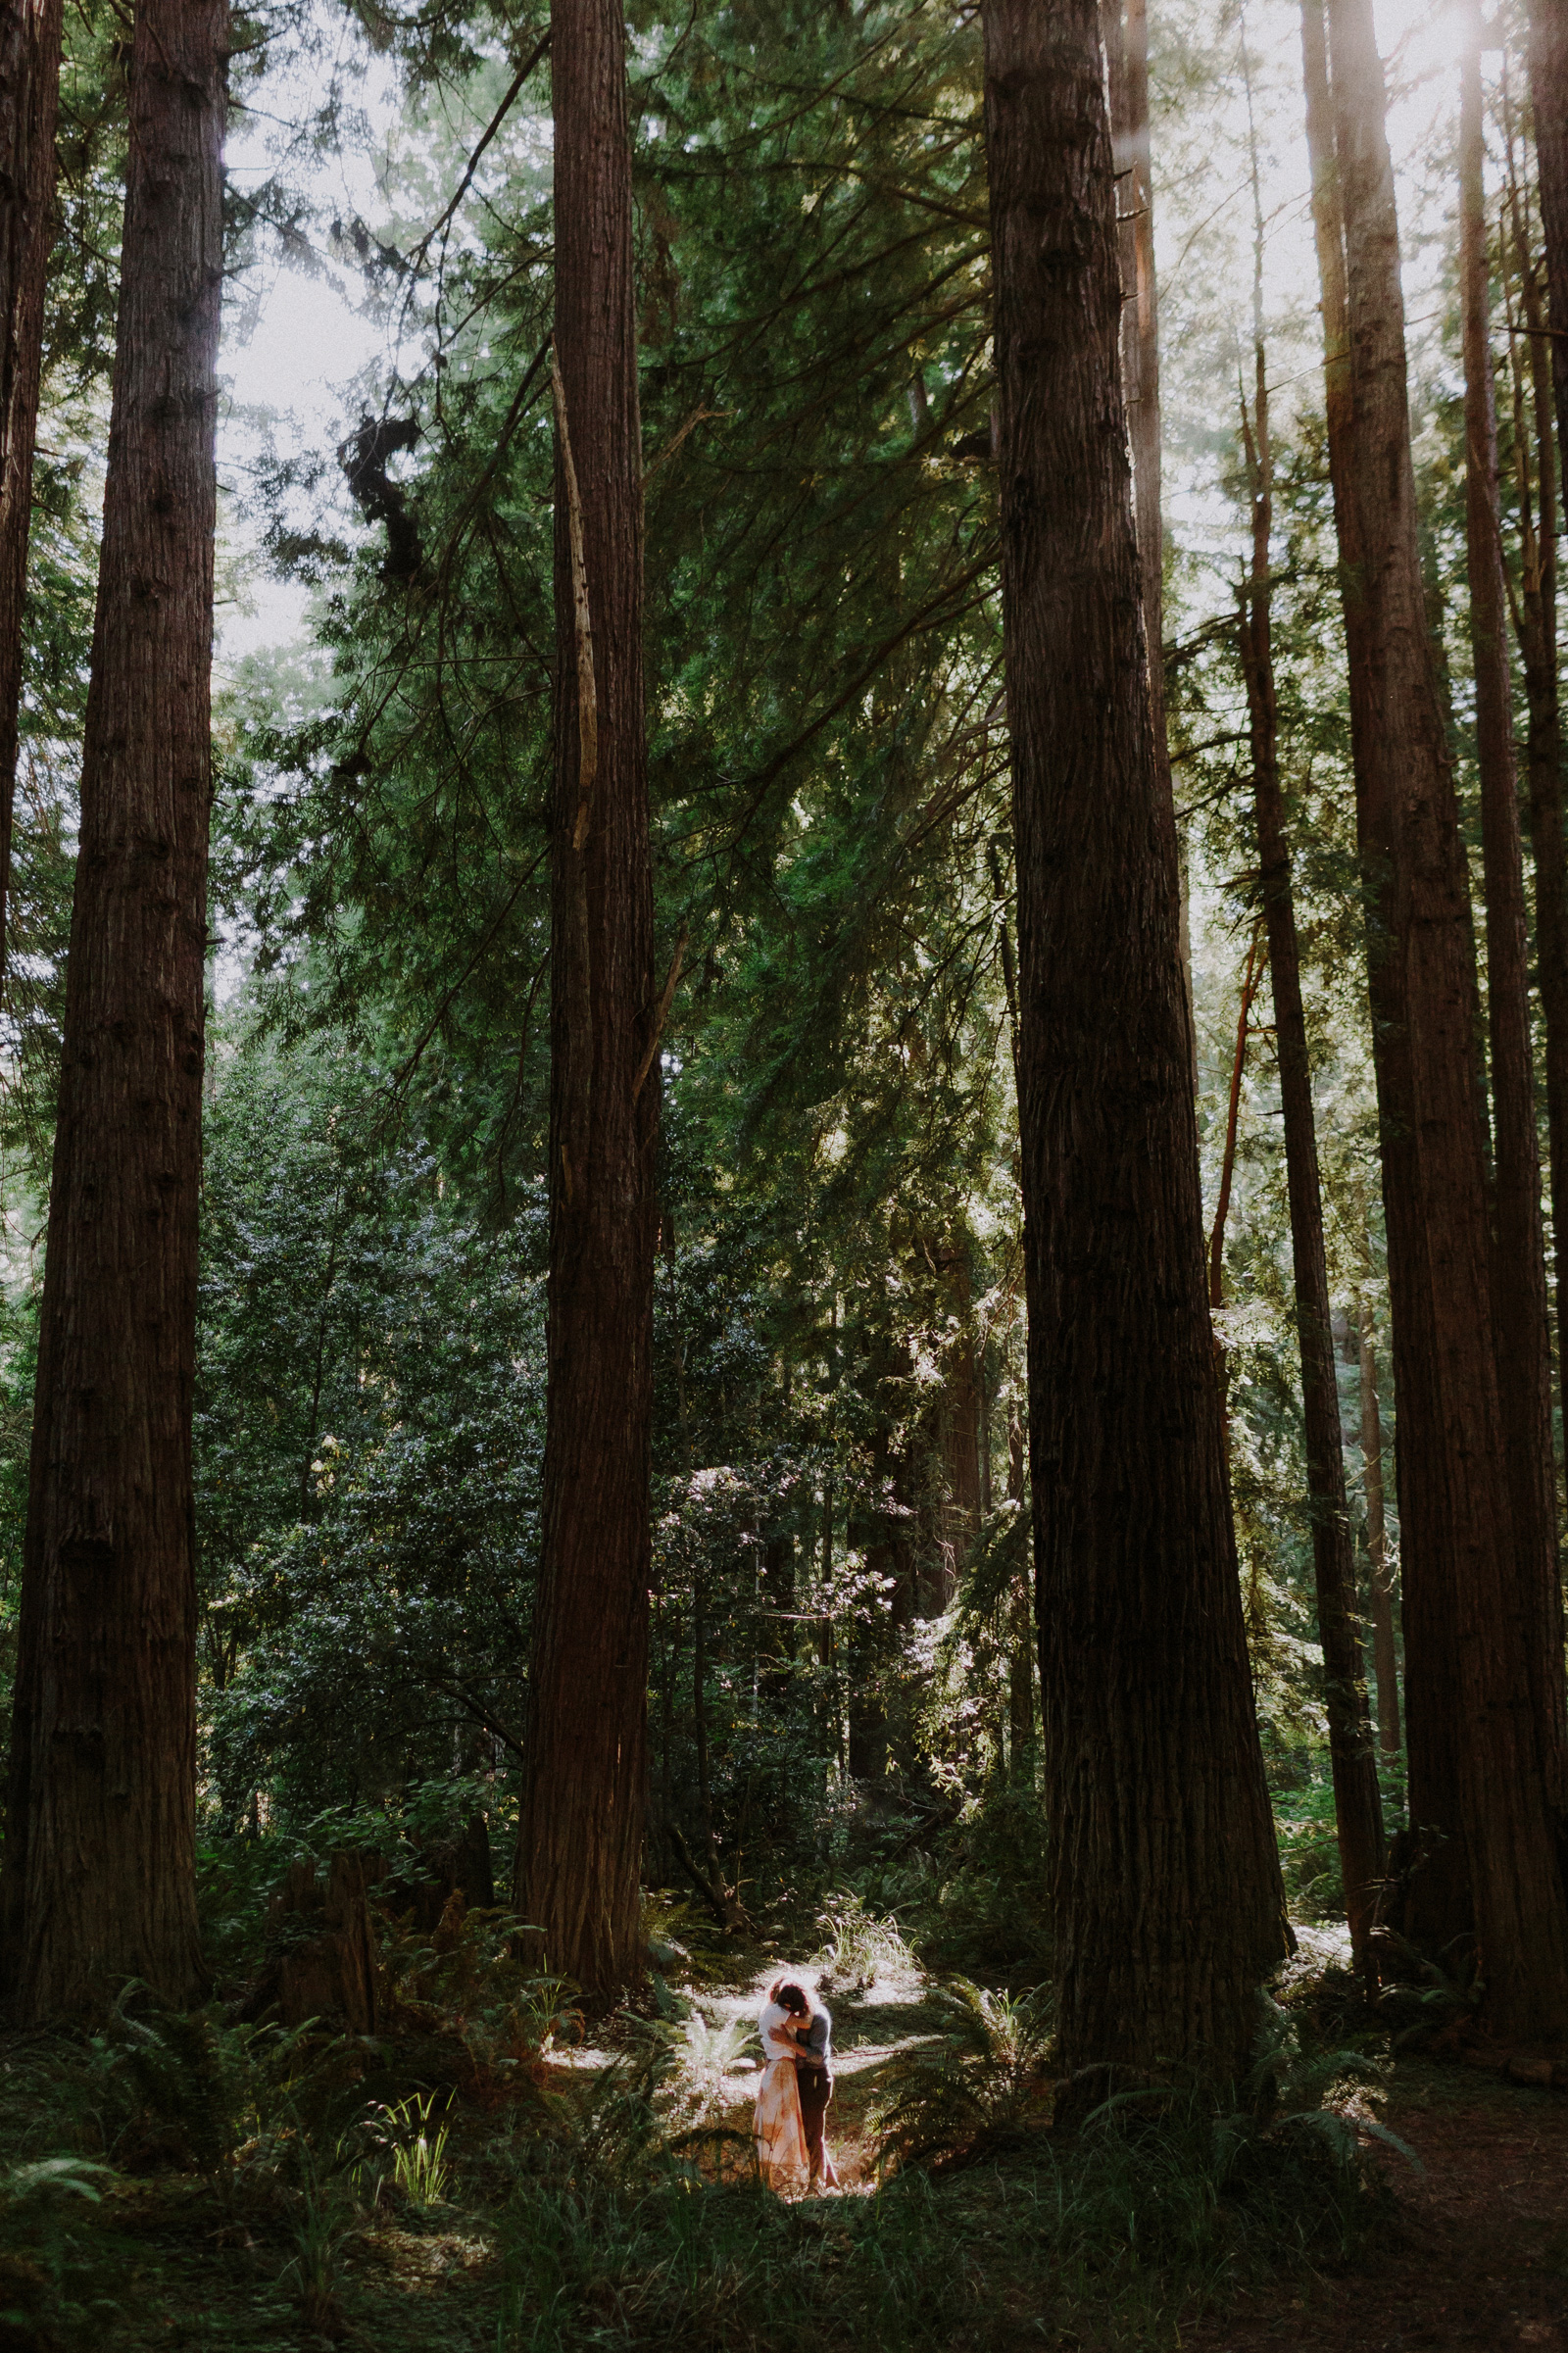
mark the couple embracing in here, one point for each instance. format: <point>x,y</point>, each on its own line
<point>796,2031</point>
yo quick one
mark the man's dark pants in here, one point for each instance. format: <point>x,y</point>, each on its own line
<point>816,2090</point>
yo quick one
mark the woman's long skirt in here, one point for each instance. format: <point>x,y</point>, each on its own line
<point>781,2157</point>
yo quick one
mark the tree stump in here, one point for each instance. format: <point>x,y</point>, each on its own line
<point>423,1883</point>
<point>321,1960</point>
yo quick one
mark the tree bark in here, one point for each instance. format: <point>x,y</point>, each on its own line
<point>778,1587</point>
<point>1548,104</point>
<point>584,1781</point>
<point>1486,1855</point>
<point>1251,978</point>
<point>1166,1892</point>
<point>1518,1255</point>
<point>1357,1805</point>
<point>1126,36</point>
<point>99,1879</point>
<point>29,93</point>
<point>1022,1735</point>
<point>958,1515</point>
<point>1535,621</point>
<point>1384,1657</point>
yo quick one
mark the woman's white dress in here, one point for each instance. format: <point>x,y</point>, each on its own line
<point>776,2118</point>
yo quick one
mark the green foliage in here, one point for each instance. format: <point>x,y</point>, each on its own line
<point>974,1897</point>
<point>981,2088</point>
<point>420,2166</point>
<point>467,1980</point>
<point>859,1949</point>
<point>186,2090</point>
<point>369,1430</point>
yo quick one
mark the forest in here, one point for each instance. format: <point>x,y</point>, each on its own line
<point>783,1118</point>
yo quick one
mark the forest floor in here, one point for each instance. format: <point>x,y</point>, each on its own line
<point>1475,2250</point>
<point>1471,2251</point>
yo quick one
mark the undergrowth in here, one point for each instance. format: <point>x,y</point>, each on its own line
<point>273,2184</point>
<point>467,2180</point>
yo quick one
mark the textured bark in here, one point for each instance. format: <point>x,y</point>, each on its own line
<point>1385,1657</point>
<point>30,91</point>
<point>100,1844</point>
<point>1357,1805</point>
<point>1126,37</point>
<point>322,1959</point>
<point>1535,617</point>
<point>1021,1733</point>
<point>1548,102</point>
<point>1518,1257</point>
<point>584,1780</point>
<point>777,1666</point>
<point>904,1557</point>
<point>1127,46</point>
<point>1166,1892</point>
<point>958,1514</point>
<point>1486,1853</point>
<point>1252,979</point>
<point>874,1531</point>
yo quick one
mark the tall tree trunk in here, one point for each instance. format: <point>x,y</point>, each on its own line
<point>1384,1657</point>
<point>705,1784</point>
<point>870,1641</point>
<point>1252,980</point>
<point>1518,1260</point>
<point>1548,104</point>
<point>1125,30</point>
<point>99,1859</point>
<point>1357,1805</point>
<point>29,93</point>
<point>959,1517</point>
<point>778,1587</point>
<point>1534,612</point>
<point>1478,1791</point>
<point>1020,1628</point>
<point>580,1843</point>
<point>1166,1892</point>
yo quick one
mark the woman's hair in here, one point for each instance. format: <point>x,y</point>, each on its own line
<point>792,1997</point>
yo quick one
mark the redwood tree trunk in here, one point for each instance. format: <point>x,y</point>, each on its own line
<point>1126,36</point>
<point>1478,1792</point>
<point>100,1845</point>
<point>1167,1899</point>
<point>1385,1657</point>
<point>1127,42</point>
<point>1020,1631</point>
<point>1536,616</point>
<point>29,92</point>
<point>958,1425</point>
<point>1518,1260</point>
<point>1357,1805</point>
<point>1548,102</point>
<point>579,1848</point>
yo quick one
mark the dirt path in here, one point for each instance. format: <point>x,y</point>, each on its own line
<point>1476,2254</point>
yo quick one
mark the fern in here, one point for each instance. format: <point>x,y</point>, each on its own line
<point>982,2084</point>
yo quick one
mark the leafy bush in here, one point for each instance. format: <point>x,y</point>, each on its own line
<point>978,1902</point>
<point>858,1947</point>
<point>980,2087</point>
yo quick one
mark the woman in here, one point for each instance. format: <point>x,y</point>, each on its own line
<point>781,2153</point>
